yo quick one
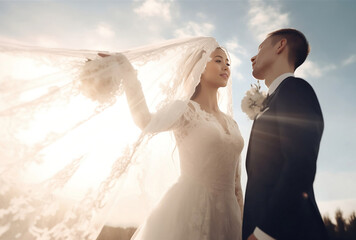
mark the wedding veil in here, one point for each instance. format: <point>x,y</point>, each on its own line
<point>69,164</point>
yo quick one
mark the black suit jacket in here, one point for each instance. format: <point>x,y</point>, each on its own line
<point>281,165</point>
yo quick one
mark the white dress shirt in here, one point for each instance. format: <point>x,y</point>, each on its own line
<point>259,234</point>
<point>278,81</point>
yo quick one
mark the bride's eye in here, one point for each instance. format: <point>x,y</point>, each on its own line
<point>218,61</point>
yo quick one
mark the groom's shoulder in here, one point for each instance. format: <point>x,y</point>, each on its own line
<point>296,84</point>
<point>294,88</point>
<point>296,81</point>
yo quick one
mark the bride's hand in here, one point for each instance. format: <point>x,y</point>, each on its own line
<point>99,54</point>
<point>103,55</point>
<point>132,87</point>
<point>123,62</point>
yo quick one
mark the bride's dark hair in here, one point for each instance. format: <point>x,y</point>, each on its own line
<point>198,87</point>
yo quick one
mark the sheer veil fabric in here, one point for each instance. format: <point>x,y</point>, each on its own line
<point>66,161</point>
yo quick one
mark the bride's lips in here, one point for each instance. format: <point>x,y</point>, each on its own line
<point>224,75</point>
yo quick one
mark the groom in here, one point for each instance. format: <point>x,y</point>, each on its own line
<point>283,147</point>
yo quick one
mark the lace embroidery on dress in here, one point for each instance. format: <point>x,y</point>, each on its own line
<point>201,219</point>
<point>185,123</point>
<point>193,115</point>
<point>197,113</point>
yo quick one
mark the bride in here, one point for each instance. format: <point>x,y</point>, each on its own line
<point>205,202</point>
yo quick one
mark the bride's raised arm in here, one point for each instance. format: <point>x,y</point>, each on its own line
<point>133,91</point>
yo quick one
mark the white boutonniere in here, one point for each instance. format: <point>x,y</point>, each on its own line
<point>252,103</point>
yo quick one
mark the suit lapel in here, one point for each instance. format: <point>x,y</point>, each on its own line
<point>249,146</point>
<point>266,107</point>
<point>267,101</point>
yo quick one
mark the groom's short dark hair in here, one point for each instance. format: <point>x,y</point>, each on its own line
<point>296,42</point>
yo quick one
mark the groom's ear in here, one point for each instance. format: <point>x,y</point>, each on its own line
<point>281,45</point>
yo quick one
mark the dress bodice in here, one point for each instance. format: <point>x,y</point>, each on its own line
<point>209,154</point>
<point>206,201</point>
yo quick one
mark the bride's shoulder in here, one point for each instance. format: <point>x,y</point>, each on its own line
<point>193,108</point>
<point>231,119</point>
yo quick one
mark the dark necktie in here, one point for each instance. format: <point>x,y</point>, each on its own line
<point>265,102</point>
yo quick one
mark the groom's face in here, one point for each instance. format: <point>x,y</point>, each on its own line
<point>262,62</point>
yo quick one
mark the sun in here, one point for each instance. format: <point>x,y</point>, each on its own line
<point>61,129</point>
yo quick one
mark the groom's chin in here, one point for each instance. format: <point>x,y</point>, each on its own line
<point>258,77</point>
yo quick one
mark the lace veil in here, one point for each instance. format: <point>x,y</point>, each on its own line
<point>69,164</point>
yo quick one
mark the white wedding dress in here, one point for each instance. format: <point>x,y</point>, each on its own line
<point>202,204</point>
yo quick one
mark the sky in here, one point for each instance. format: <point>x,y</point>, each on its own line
<point>239,26</point>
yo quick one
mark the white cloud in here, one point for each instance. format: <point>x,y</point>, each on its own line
<point>194,29</point>
<point>46,41</point>
<point>265,18</point>
<point>238,76</point>
<point>349,60</point>
<point>311,69</point>
<point>101,36</point>
<point>329,67</point>
<point>236,51</point>
<point>155,8</point>
<point>105,30</point>
<point>334,186</point>
<point>233,46</point>
<point>308,69</point>
<point>235,61</point>
<point>201,15</point>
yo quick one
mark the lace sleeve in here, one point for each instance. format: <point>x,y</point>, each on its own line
<point>136,101</point>
<point>133,91</point>
<point>238,188</point>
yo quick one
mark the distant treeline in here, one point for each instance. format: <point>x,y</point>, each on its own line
<point>344,229</point>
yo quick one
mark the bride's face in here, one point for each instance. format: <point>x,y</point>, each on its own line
<point>217,70</point>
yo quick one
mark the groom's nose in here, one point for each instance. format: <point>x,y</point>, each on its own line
<point>253,58</point>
